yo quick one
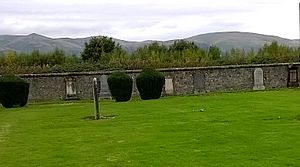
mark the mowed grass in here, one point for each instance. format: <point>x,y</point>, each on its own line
<point>235,129</point>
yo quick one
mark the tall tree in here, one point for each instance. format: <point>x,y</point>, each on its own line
<point>97,47</point>
<point>181,45</point>
<point>10,57</point>
<point>214,52</point>
<point>57,57</point>
<point>152,49</point>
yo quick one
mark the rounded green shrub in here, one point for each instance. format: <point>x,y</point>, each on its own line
<point>13,91</point>
<point>120,86</point>
<point>150,83</point>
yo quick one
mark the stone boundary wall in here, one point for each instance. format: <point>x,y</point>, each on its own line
<point>78,85</point>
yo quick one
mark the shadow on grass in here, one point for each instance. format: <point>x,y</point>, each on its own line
<point>101,117</point>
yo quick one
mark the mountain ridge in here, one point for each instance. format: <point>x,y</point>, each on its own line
<point>224,40</point>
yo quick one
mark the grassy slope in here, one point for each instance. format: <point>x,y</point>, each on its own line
<point>236,129</point>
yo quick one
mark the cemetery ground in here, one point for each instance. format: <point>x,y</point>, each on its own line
<point>223,129</point>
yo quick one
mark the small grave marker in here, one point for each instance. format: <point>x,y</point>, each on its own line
<point>258,79</point>
<point>70,88</point>
<point>105,92</point>
<point>169,86</point>
<point>293,76</point>
<point>199,82</point>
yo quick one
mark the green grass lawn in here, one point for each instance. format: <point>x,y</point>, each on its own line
<point>235,129</point>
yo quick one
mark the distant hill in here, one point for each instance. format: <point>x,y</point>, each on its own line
<point>224,40</point>
<point>243,40</point>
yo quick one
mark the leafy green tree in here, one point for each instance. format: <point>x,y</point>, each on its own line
<point>72,59</point>
<point>235,56</point>
<point>179,50</point>
<point>97,47</point>
<point>214,52</point>
<point>152,54</point>
<point>56,57</point>
<point>10,57</point>
<point>35,58</point>
<point>156,47</point>
<point>2,59</point>
<point>151,50</point>
<point>275,52</point>
<point>181,45</point>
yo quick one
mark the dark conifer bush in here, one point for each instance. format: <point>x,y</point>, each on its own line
<point>120,85</point>
<point>150,83</point>
<point>13,91</point>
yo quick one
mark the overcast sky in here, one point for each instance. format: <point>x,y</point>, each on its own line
<point>139,20</point>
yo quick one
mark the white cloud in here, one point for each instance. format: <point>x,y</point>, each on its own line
<point>148,19</point>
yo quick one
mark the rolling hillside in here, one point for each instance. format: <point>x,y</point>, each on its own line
<point>224,40</point>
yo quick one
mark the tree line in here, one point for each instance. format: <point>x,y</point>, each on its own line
<point>103,53</point>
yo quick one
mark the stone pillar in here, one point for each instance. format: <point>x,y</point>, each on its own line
<point>96,100</point>
<point>258,79</point>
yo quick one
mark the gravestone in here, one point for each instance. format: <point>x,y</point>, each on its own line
<point>105,92</point>
<point>70,88</point>
<point>258,79</point>
<point>199,82</point>
<point>169,88</point>
<point>293,76</point>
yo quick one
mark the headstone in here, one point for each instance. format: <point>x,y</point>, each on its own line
<point>169,89</point>
<point>70,88</point>
<point>258,79</point>
<point>293,76</point>
<point>199,82</point>
<point>105,92</point>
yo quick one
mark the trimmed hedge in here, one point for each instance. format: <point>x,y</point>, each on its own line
<point>13,91</point>
<point>120,86</point>
<point>150,83</point>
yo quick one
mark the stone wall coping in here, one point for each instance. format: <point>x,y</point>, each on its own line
<point>160,69</point>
